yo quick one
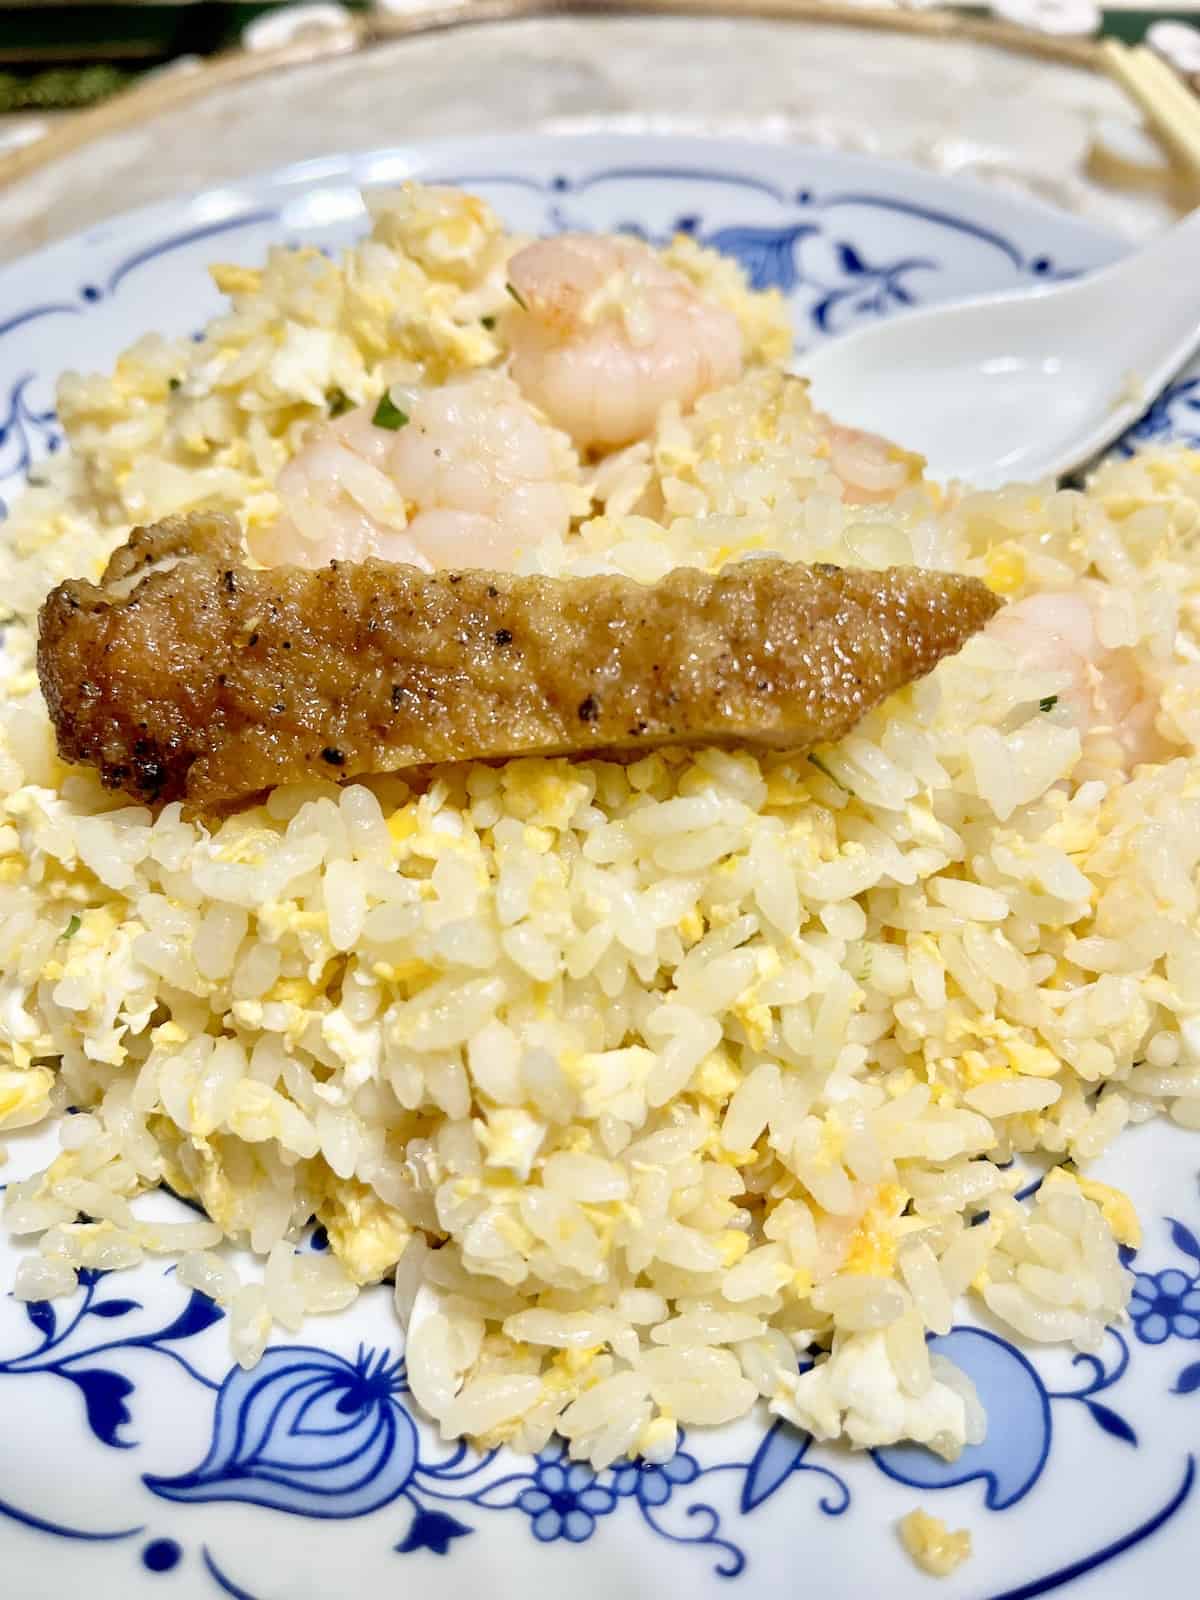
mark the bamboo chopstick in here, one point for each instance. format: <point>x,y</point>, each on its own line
<point>1165,101</point>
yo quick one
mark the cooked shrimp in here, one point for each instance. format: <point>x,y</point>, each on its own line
<point>605,335</point>
<point>469,478</point>
<point>871,468</point>
<point>1104,693</point>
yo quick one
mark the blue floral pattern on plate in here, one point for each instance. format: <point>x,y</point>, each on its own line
<point>1165,1305</point>
<point>63,1346</point>
<point>307,1431</point>
<point>323,1437</point>
<point>564,1500</point>
<point>27,432</point>
<point>1174,418</point>
<point>313,1434</point>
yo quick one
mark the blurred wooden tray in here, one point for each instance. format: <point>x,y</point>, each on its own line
<point>124,120</point>
<point>172,90</point>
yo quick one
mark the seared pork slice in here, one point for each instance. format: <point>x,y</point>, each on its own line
<point>186,674</point>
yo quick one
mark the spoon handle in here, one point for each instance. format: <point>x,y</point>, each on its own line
<point>1169,263</point>
<point>1146,307</point>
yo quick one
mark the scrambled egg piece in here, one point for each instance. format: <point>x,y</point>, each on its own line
<point>24,1096</point>
<point>183,1153</point>
<point>934,1548</point>
<point>1005,569</point>
<point>750,1011</point>
<point>857,1392</point>
<point>511,1139</point>
<point>785,788</point>
<point>872,1247</point>
<point>1032,1060</point>
<point>1116,1207</point>
<point>544,792</point>
<point>733,1244</point>
<point>232,279</point>
<point>402,824</point>
<point>715,1078</point>
<point>366,1235</point>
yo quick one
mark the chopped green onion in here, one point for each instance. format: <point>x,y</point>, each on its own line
<point>174,383</point>
<point>1048,703</point>
<point>339,402</point>
<point>488,322</point>
<point>71,929</point>
<point>516,294</point>
<point>832,776</point>
<point>388,415</point>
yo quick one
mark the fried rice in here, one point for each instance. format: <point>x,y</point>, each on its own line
<point>643,1083</point>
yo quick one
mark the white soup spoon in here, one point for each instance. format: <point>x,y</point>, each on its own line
<point>1027,384</point>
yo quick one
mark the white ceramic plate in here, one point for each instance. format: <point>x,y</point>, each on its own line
<point>134,1461</point>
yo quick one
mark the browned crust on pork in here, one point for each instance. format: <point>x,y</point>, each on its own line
<point>186,674</point>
